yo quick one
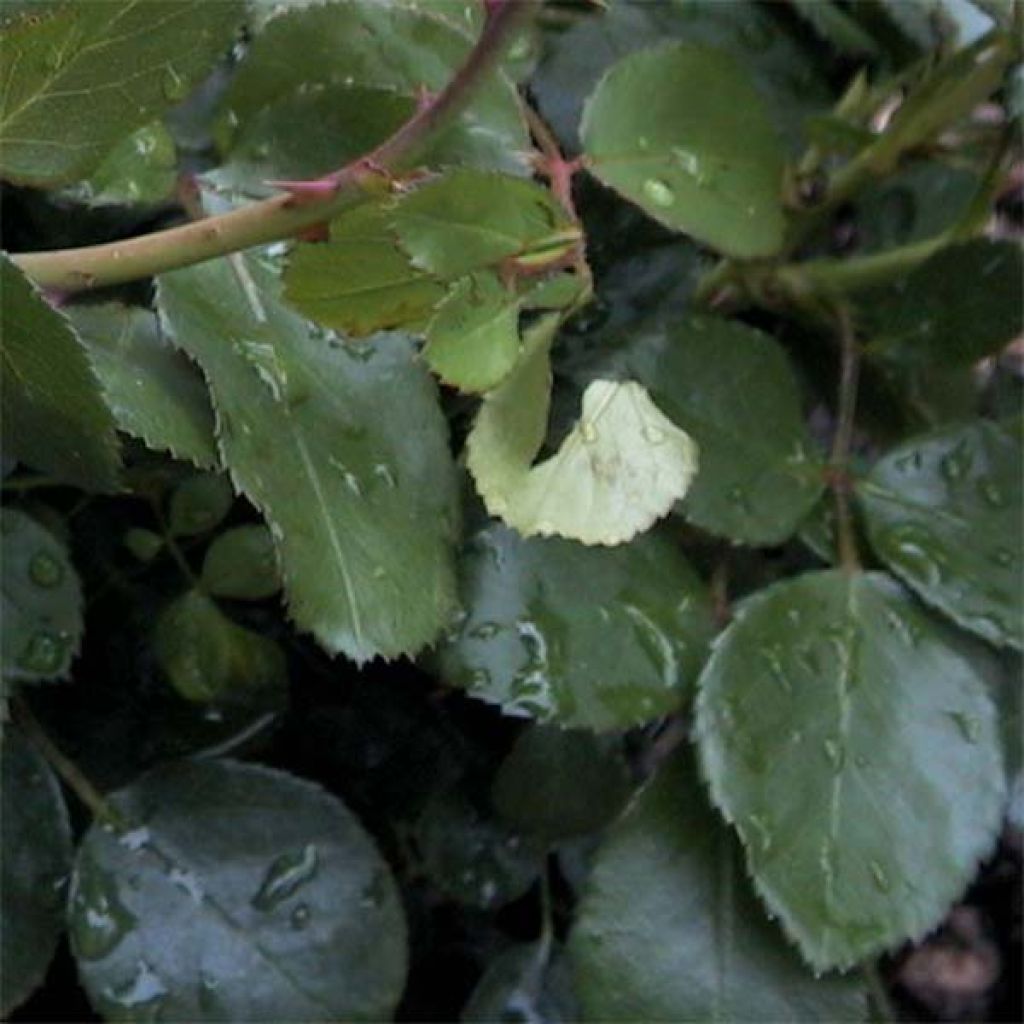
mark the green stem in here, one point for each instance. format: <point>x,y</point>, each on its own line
<point>69,772</point>
<point>282,216</point>
<point>849,373</point>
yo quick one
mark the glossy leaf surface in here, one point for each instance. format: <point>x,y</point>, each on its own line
<point>830,707</point>
<point>626,655</point>
<point>238,893</point>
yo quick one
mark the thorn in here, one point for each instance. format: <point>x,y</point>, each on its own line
<point>424,98</point>
<point>308,191</point>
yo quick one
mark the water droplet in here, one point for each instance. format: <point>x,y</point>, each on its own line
<point>99,921</point>
<point>519,49</point>
<point>144,991</point>
<point>879,876</point>
<point>45,570</point>
<point>774,662</point>
<point>656,645</point>
<point>908,632</point>
<point>263,358</point>
<point>643,142</point>
<point>588,432</point>
<point>968,725</point>
<point>479,678</point>
<point>300,916</point>
<point>835,754</point>
<point>384,472</point>
<point>955,465</point>
<point>1003,557</point>
<point>135,839</point>
<point>44,653</point>
<point>762,828</point>
<point>379,572</point>
<point>285,876</point>
<point>54,59</point>
<point>654,435</point>
<point>187,881</point>
<point>913,548</point>
<point>175,87</point>
<point>485,631</point>
<point>659,192</point>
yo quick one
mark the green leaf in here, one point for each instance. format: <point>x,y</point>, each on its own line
<point>712,169</point>
<point>840,726</point>
<point>558,783</point>
<point>618,471</point>
<point>145,545</point>
<point>41,603</point>
<point>241,564</point>
<point>36,846</point>
<point>54,416</point>
<point>153,391</point>
<point>468,220</point>
<point>668,929</point>
<point>523,983</point>
<point>473,338</point>
<point>960,306</point>
<point>240,893</point>
<point>626,654</point>
<point>360,281</point>
<point>81,77</point>
<point>209,659</point>
<point>321,85</point>
<point>944,513</point>
<point>199,503</point>
<point>731,388</point>
<point>361,504</point>
<point>141,168</point>
<point>473,858</point>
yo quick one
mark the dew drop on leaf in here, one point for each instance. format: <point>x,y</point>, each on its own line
<point>45,570</point>
<point>285,876</point>
<point>174,86</point>
<point>300,916</point>
<point>43,653</point>
<point>659,192</point>
<point>879,876</point>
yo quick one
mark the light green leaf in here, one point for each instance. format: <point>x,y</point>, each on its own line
<point>560,783</point>
<point>840,725</point>
<point>731,388</point>
<point>322,84</point>
<point>241,564</point>
<point>620,469</point>
<point>944,513</point>
<point>209,659</point>
<point>41,602</point>
<point>360,281</point>
<point>361,505</point>
<point>154,392</point>
<point>199,503</point>
<point>625,655</point>
<point>82,76</point>
<point>473,338</point>
<point>36,846</point>
<point>668,929</point>
<point>281,900</point>
<point>960,306</point>
<point>54,416</point>
<point>141,168</point>
<point>711,168</point>
<point>468,220</point>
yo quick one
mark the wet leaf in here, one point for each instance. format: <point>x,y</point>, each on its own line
<point>209,659</point>
<point>668,928</point>
<point>88,75</point>
<point>240,563</point>
<point>944,513</point>
<point>558,783</point>
<point>619,470</point>
<point>141,168</point>
<point>153,391</point>
<point>199,503</point>
<point>358,503</point>
<point>839,726</point>
<point>626,655</point>
<point>41,604</point>
<point>238,893</point>
<point>712,170</point>
<point>54,415</point>
<point>36,846</point>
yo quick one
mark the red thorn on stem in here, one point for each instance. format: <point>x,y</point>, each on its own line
<point>309,191</point>
<point>424,98</point>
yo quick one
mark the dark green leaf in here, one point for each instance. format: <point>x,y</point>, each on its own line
<point>36,846</point>
<point>153,391</point>
<point>732,389</point>
<point>360,281</point>
<point>145,545</point>
<point>361,506</point>
<point>473,338</point>
<point>620,469</point>
<point>668,929</point>
<point>468,220</point>
<point>54,416</point>
<point>82,76</point>
<point>199,503</point>
<point>141,168</point>
<point>240,563</point>
<point>944,512</point>
<point>626,654</point>
<point>42,601</point>
<point>207,658</point>
<point>239,893</point>
<point>959,306</point>
<point>558,783</point>
<point>713,169</point>
<point>840,726</point>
